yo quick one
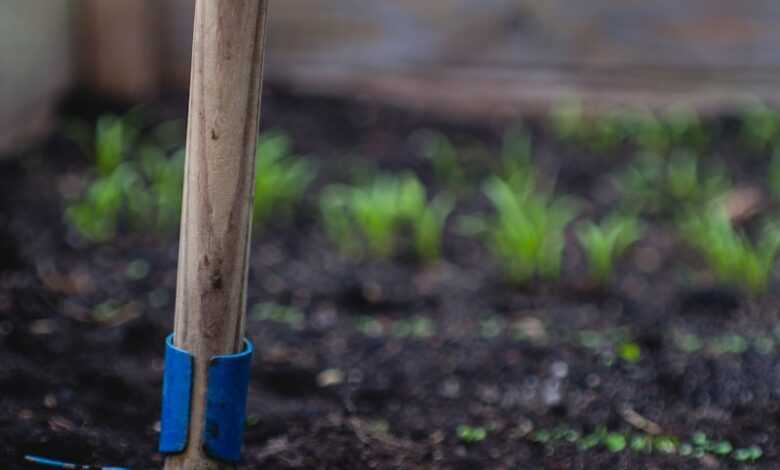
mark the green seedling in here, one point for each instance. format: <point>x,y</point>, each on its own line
<point>369,326</point>
<point>443,157</point>
<point>137,183</point>
<point>600,134</point>
<point>96,215</point>
<point>527,233</point>
<point>647,132</point>
<point>733,258</point>
<point>655,184</point>
<point>276,313</point>
<point>608,133</point>
<point>760,127</point>
<point>604,243</point>
<point>376,215</point>
<point>568,122</point>
<point>280,178</point>
<point>471,434</point>
<point>415,327</point>
<point>629,352</point>
<point>615,442</point>
<point>642,443</point>
<point>750,454</point>
<point>516,154</point>
<point>686,129</point>
<point>114,136</point>
<point>773,173</point>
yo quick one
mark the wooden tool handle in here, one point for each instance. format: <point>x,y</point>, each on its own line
<point>227,68</point>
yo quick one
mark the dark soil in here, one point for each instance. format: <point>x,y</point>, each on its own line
<point>331,395</point>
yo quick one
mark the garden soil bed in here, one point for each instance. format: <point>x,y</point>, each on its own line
<point>390,358</point>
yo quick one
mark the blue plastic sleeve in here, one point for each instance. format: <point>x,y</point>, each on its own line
<point>176,396</point>
<point>228,383</point>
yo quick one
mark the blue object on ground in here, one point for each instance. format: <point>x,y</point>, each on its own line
<point>226,393</point>
<point>176,395</point>
<point>59,464</point>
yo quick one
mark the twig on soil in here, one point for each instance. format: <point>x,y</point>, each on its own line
<point>640,422</point>
<point>365,434</point>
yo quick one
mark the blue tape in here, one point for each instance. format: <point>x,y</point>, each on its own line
<point>225,414</point>
<point>176,396</point>
<point>228,383</point>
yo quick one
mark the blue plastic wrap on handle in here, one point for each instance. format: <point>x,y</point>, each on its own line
<point>226,394</point>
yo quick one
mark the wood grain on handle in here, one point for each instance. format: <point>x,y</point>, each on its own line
<point>227,67</point>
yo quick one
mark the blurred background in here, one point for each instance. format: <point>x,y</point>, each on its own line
<point>479,59</point>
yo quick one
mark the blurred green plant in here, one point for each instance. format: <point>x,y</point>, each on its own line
<point>678,128</point>
<point>773,173</point>
<point>604,243</point>
<point>568,122</point>
<point>760,127</point>
<point>516,158</point>
<point>280,178</point>
<point>731,256</point>
<point>119,191</point>
<point>699,446</point>
<point>277,313</point>
<point>471,434</point>
<point>654,184</point>
<point>527,232</point>
<point>137,182</point>
<point>372,218</point>
<point>444,159</point>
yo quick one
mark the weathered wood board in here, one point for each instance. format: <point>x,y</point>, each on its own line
<point>511,56</point>
<point>459,57</point>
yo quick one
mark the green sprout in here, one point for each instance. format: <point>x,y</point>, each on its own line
<point>604,243</point>
<point>686,129</point>
<point>699,446</point>
<point>527,232</point>
<point>280,178</point>
<point>443,156</point>
<point>648,133</point>
<point>655,184</point>
<point>749,454</point>
<point>733,258</point>
<point>600,134</point>
<point>377,214</point>
<point>137,183</point>
<point>471,434</point>
<point>114,136</point>
<point>140,193</point>
<point>287,315</point>
<point>773,173</point>
<point>516,153</point>
<point>760,127</point>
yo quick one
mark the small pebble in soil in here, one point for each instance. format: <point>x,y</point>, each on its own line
<point>559,369</point>
<point>50,401</point>
<point>450,388</point>
<point>330,377</point>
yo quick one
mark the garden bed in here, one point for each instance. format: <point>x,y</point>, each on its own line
<point>396,363</point>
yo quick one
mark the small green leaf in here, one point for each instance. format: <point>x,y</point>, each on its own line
<point>615,442</point>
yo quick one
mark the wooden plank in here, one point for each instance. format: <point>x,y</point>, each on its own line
<point>719,50</point>
<point>120,47</point>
